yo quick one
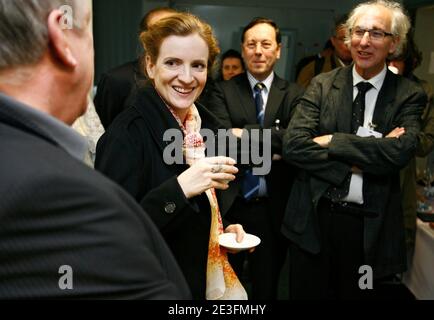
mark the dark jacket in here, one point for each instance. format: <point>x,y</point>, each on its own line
<point>232,102</point>
<point>114,88</point>
<point>326,109</point>
<point>56,211</point>
<point>131,153</point>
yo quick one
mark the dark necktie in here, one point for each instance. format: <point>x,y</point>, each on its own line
<point>259,103</point>
<point>251,182</point>
<point>358,117</point>
<point>359,105</point>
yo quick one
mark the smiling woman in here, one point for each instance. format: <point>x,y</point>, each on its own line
<point>179,74</point>
<point>180,49</point>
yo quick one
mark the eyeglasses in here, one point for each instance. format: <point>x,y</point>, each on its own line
<point>374,34</point>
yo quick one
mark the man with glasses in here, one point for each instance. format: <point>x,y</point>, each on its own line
<point>259,99</point>
<point>352,132</point>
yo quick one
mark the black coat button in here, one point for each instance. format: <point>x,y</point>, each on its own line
<point>170,207</point>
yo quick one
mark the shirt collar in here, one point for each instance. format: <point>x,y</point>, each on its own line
<point>69,140</point>
<point>376,81</point>
<point>267,82</point>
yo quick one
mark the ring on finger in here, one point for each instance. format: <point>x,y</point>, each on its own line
<point>216,169</point>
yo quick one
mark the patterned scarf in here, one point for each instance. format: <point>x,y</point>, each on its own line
<point>221,281</point>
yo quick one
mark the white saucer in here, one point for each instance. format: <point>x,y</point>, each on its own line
<point>228,240</point>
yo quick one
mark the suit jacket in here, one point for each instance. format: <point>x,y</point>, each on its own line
<point>232,102</point>
<point>114,88</point>
<point>326,109</point>
<point>55,211</point>
<point>131,153</point>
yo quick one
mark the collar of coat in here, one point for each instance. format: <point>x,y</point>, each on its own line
<point>159,119</point>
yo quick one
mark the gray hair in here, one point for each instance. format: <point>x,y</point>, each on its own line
<point>399,26</point>
<point>24,31</point>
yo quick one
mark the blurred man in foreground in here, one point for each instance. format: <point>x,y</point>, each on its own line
<point>65,230</point>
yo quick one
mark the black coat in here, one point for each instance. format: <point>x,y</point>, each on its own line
<point>326,109</point>
<point>55,211</point>
<point>131,153</point>
<point>114,88</point>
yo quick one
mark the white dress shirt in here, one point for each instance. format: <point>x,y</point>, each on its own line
<point>355,193</point>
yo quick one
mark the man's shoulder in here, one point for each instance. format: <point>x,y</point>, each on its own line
<point>406,85</point>
<point>123,75</point>
<point>283,83</point>
<point>29,163</point>
<point>332,74</point>
<point>337,77</point>
<point>406,91</point>
<point>140,108</point>
<point>235,82</point>
<point>123,70</point>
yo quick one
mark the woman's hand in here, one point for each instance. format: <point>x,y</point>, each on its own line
<point>238,229</point>
<point>215,172</point>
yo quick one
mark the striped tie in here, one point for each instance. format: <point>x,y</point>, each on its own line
<point>251,182</point>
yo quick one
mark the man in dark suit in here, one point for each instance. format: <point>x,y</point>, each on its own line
<point>116,85</point>
<point>65,230</point>
<point>236,102</point>
<point>352,132</point>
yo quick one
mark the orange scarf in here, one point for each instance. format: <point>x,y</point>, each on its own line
<point>221,281</point>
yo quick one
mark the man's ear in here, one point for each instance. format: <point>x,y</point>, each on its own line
<point>279,49</point>
<point>58,41</point>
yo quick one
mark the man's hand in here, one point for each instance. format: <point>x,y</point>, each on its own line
<point>277,157</point>
<point>323,141</point>
<point>237,132</point>
<point>396,133</point>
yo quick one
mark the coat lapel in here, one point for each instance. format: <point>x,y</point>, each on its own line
<point>275,98</point>
<point>246,97</point>
<point>383,108</point>
<point>342,99</point>
<point>159,119</point>
<point>155,113</point>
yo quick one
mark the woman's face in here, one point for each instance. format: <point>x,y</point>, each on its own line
<point>180,72</point>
